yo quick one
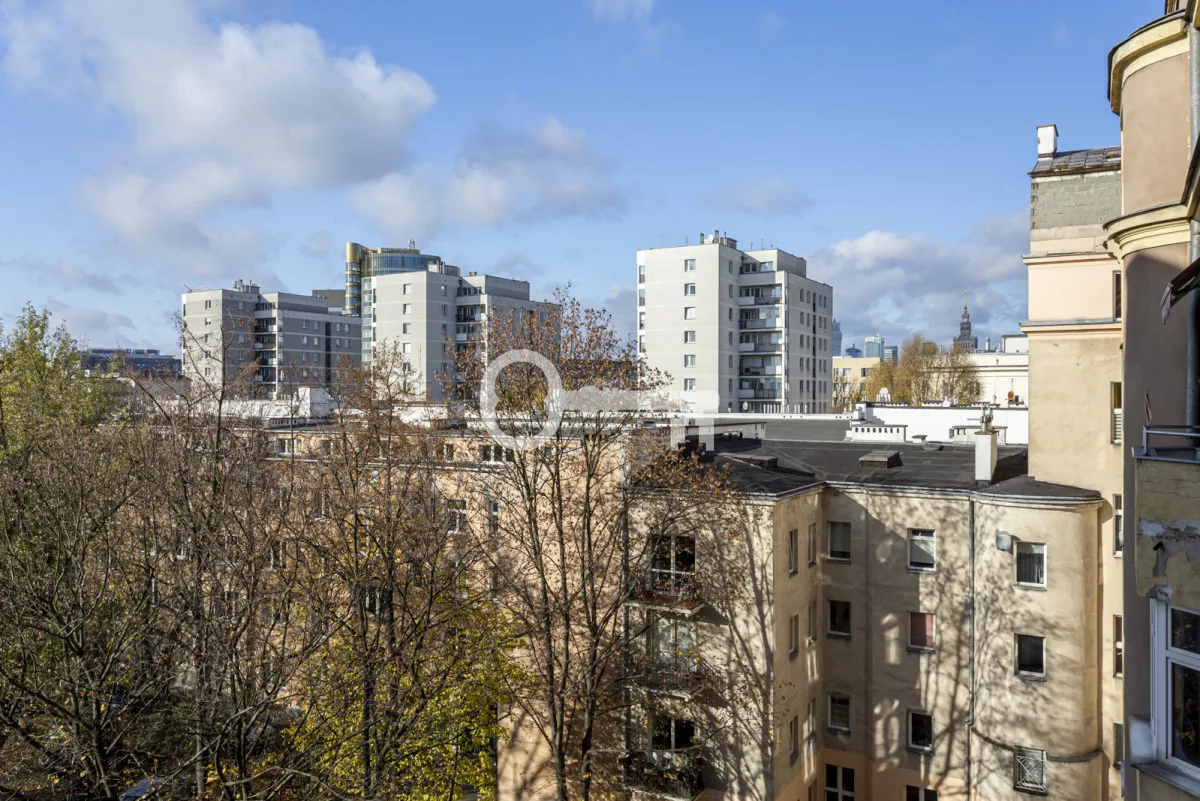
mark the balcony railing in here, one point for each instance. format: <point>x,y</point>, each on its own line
<point>761,323</point>
<point>1171,443</point>
<point>668,590</point>
<point>682,675</point>
<point>674,774</point>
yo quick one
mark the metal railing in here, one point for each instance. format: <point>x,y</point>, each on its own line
<point>1171,443</point>
<point>671,588</point>
<point>680,674</point>
<point>675,774</point>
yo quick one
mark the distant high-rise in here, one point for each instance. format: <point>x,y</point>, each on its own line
<point>853,352</point>
<point>891,353</point>
<point>836,338</point>
<point>964,340</point>
<point>873,347</point>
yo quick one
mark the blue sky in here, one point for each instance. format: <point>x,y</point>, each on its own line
<point>149,146</point>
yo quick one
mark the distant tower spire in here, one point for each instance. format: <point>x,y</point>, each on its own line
<point>965,340</point>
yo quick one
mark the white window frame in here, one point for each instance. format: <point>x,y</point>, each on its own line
<point>1118,645</point>
<point>689,337</point>
<point>689,360</point>
<point>689,385</point>
<point>829,630</point>
<point>689,290</point>
<point>689,265</point>
<point>1162,657</point>
<point>923,535</point>
<point>689,312</point>
<point>838,793</point>
<point>1016,562</point>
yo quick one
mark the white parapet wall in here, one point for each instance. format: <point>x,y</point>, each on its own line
<point>950,423</point>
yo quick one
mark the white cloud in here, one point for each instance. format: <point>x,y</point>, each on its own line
<point>95,327</point>
<point>500,176</point>
<point>773,196</point>
<point>618,10</point>
<point>898,284</point>
<point>222,116</point>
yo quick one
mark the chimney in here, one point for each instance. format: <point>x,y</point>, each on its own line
<point>985,453</point>
<point>1047,141</point>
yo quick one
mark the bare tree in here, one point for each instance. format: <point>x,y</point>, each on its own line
<point>926,373</point>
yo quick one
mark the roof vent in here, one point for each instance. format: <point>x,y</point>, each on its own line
<point>884,459</point>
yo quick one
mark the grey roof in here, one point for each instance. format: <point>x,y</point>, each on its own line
<point>799,465</point>
<point>1076,161</point>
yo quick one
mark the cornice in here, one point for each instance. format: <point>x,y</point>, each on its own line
<point>1161,39</point>
<point>1150,228</point>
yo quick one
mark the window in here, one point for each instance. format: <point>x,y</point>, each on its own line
<point>839,540</point>
<point>689,312</point>
<point>920,732</point>
<point>839,712</point>
<point>1031,564</point>
<point>407,308</point>
<point>1118,745</point>
<point>812,544</point>
<point>641,297</point>
<point>839,619</point>
<point>641,343</point>
<point>408,289</point>
<point>456,515</point>
<point>1118,646</point>
<point>793,550</point>
<point>839,783</point>
<point>407,347</point>
<point>207,305</point>
<point>919,794</point>
<point>448,451</point>
<point>673,644</point>
<point>372,599</point>
<point>303,340</point>
<point>689,384</point>
<point>689,360</point>
<point>641,273</point>
<point>1175,633</point>
<point>794,635</point>
<point>443,288</point>
<point>406,328</point>
<point>1118,525</point>
<point>794,738</point>
<point>689,289</point>
<point>1116,294</point>
<point>689,265</point>
<point>641,321</point>
<point>921,631</point>
<point>278,554</point>
<point>672,734</point>
<point>1118,433</point>
<point>922,550</point>
<point>689,336</point>
<point>1029,769</point>
<point>1031,656</point>
<point>493,517</point>
<point>812,622</point>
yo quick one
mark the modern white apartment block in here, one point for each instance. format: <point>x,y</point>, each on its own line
<point>276,341</point>
<point>427,309</point>
<point>749,326</point>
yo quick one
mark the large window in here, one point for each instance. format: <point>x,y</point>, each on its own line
<point>1029,769</point>
<point>839,783</point>
<point>672,734</point>
<point>1031,564</point>
<point>839,619</point>
<point>1031,656</point>
<point>1176,685</point>
<point>839,540</point>
<point>922,550</point>
<point>672,563</point>
<point>673,644</point>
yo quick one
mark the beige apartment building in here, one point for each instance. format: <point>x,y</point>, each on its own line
<point>850,375</point>
<point>1153,87</point>
<point>747,330</point>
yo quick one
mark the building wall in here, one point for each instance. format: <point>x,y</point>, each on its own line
<point>1070,208</point>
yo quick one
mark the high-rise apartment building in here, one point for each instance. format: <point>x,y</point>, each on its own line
<point>891,353</point>
<point>873,347</point>
<point>750,328</point>
<point>275,341</point>
<point>424,308</point>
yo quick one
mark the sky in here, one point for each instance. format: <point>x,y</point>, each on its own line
<point>150,146</point>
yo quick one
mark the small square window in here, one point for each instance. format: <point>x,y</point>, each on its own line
<point>689,265</point>
<point>839,712</point>
<point>407,328</point>
<point>839,540</point>
<point>1031,564</point>
<point>1031,656</point>
<point>689,360</point>
<point>839,619</point>
<point>689,336</point>
<point>407,308</point>
<point>408,289</point>
<point>689,384</point>
<point>920,732</point>
<point>922,550</point>
<point>1029,769</point>
<point>689,312</point>
<point>689,289</point>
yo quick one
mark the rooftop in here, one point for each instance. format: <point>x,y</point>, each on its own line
<point>777,467</point>
<point>1073,162</point>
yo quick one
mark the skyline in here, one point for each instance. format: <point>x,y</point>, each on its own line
<point>199,142</point>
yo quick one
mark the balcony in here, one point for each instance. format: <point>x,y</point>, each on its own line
<point>682,676</point>
<point>666,774</point>
<point>668,591</point>
<point>761,372</point>
<point>762,323</point>
<point>760,394</point>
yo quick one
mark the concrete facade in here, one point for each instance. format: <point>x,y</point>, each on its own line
<point>270,343</point>
<point>747,329</point>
